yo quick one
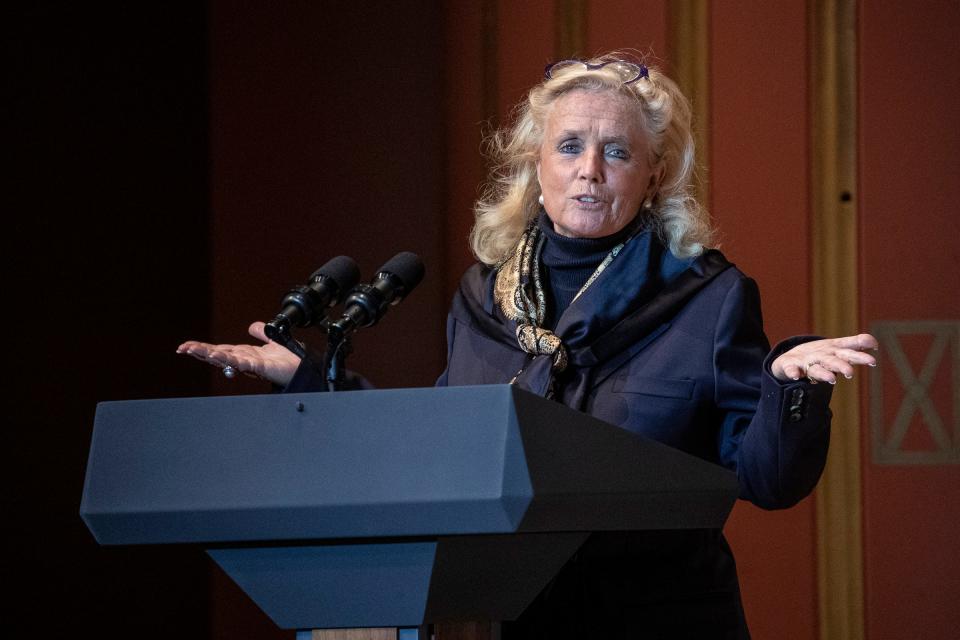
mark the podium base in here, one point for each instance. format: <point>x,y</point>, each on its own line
<point>367,633</point>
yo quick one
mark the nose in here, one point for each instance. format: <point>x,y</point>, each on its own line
<point>591,165</point>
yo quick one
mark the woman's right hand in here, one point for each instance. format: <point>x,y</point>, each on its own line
<point>269,361</point>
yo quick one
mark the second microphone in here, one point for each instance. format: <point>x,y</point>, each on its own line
<point>367,303</point>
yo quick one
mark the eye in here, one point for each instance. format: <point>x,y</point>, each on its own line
<point>617,152</point>
<point>569,146</point>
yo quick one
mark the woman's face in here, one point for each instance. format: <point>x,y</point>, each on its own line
<point>594,169</point>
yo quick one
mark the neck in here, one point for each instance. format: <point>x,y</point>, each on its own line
<point>567,263</point>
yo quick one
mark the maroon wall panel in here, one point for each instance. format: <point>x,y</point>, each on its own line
<point>625,25</point>
<point>909,153</point>
<point>759,184</point>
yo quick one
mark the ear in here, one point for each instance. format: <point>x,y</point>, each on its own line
<point>538,175</point>
<point>656,177</point>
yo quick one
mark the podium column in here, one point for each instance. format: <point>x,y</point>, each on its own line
<point>479,630</point>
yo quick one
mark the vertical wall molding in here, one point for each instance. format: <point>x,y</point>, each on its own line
<point>488,57</point>
<point>689,45</point>
<point>571,29</point>
<point>833,128</point>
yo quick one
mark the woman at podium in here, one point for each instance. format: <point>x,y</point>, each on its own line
<point>595,286</point>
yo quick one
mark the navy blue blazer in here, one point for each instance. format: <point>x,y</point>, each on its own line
<point>700,382</point>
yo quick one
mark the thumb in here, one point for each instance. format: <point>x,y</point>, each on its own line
<point>256,330</point>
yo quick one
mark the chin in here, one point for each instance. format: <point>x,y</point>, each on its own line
<point>588,227</point>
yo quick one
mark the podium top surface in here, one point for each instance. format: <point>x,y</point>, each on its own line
<point>384,463</point>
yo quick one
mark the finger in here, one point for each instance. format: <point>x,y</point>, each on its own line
<point>860,342</point>
<point>838,365</point>
<point>217,352</point>
<point>238,356</point>
<point>248,359</point>
<point>240,363</point>
<point>224,348</point>
<point>198,351</point>
<point>202,357</point>
<point>256,330</point>
<point>856,357</point>
<point>793,371</point>
<point>817,372</point>
<point>205,353</point>
<point>218,362</point>
<point>189,345</point>
<point>247,351</point>
<point>219,359</point>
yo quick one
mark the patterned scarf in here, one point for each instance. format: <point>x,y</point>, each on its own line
<point>519,293</point>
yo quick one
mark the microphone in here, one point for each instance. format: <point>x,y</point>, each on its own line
<point>368,303</point>
<point>305,306</point>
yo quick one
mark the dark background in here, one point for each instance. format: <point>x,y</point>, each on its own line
<point>177,167</point>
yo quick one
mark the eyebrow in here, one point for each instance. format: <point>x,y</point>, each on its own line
<point>576,133</point>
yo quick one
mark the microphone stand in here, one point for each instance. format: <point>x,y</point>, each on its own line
<point>338,348</point>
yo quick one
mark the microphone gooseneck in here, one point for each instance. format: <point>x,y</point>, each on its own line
<point>365,305</point>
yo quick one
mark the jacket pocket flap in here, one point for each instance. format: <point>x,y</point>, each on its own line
<point>664,387</point>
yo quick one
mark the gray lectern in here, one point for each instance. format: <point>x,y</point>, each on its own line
<point>392,508</point>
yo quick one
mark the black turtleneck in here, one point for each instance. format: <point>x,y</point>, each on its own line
<point>567,263</point>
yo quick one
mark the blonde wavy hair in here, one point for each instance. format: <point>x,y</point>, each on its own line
<point>509,202</point>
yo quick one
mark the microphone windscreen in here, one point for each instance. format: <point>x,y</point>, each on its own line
<point>407,267</point>
<point>343,271</point>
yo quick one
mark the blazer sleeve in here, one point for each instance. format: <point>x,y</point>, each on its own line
<point>443,380</point>
<point>309,376</point>
<point>774,435</point>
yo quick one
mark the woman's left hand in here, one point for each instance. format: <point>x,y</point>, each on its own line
<point>824,360</point>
